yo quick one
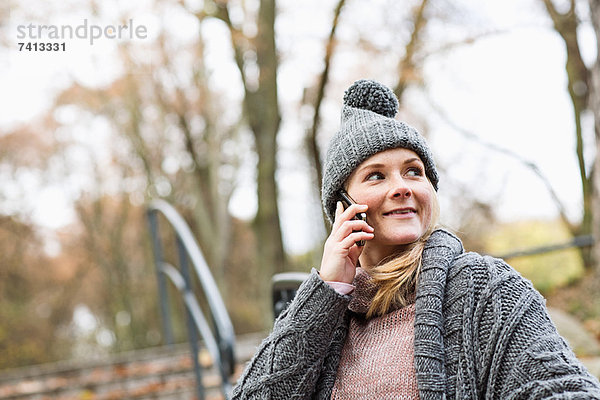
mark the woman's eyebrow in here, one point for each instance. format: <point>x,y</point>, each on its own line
<point>383,165</point>
<point>370,166</point>
<point>378,165</point>
<point>411,160</point>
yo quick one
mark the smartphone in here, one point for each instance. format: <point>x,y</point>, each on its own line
<point>347,201</point>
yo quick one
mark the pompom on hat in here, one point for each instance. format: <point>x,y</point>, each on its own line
<point>368,127</point>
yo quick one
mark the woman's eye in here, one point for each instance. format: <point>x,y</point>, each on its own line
<point>414,171</point>
<point>373,176</point>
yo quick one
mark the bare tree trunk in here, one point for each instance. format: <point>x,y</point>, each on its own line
<point>578,75</point>
<point>264,118</point>
<point>595,108</point>
<point>261,109</point>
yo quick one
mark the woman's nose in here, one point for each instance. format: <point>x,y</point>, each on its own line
<point>400,188</point>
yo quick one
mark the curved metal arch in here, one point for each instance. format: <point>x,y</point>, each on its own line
<point>220,347</point>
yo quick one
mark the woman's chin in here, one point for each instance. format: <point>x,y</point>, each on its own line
<point>398,242</point>
<point>401,240</point>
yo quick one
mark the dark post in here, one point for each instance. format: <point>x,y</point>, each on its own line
<point>193,336</point>
<point>162,285</point>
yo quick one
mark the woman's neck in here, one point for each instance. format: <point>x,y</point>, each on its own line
<point>373,254</point>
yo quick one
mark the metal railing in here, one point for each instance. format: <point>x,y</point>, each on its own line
<point>578,241</point>
<point>220,339</point>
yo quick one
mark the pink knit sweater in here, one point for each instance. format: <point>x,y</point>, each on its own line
<point>377,358</point>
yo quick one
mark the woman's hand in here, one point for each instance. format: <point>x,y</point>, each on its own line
<point>340,253</point>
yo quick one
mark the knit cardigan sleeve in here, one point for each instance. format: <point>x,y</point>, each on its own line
<point>519,353</point>
<point>288,363</point>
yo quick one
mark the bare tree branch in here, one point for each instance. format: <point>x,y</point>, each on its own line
<point>314,151</point>
<point>499,149</point>
<point>407,70</point>
<point>578,75</point>
<point>236,35</point>
<point>447,47</point>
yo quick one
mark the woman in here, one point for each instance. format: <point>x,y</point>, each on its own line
<point>408,315</point>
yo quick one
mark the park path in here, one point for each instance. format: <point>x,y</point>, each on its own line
<point>583,343</point>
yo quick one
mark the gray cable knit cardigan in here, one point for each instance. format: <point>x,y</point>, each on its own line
<point>481,331</point>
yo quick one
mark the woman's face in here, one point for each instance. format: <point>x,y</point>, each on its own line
<point>400,197</point>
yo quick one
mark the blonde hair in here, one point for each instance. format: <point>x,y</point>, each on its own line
<point>396,276</point>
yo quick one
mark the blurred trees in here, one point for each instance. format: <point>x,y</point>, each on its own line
<point>172,137</point>
<point>35,302</point>
<point>33,308</point>
<point>115,269</point>
<point>583,84</point>
<point>580,88</point>
<point>257,62</point>
<point>315,100</point>
<point>595,109</point>
<point>169,142</point>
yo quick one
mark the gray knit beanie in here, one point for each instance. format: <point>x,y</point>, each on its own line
<point>368,127</point>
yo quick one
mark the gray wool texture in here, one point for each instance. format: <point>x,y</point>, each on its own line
<point>368,127</point>
<point>481,331</point>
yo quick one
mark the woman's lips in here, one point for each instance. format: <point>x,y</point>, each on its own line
<point>405,211</point>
